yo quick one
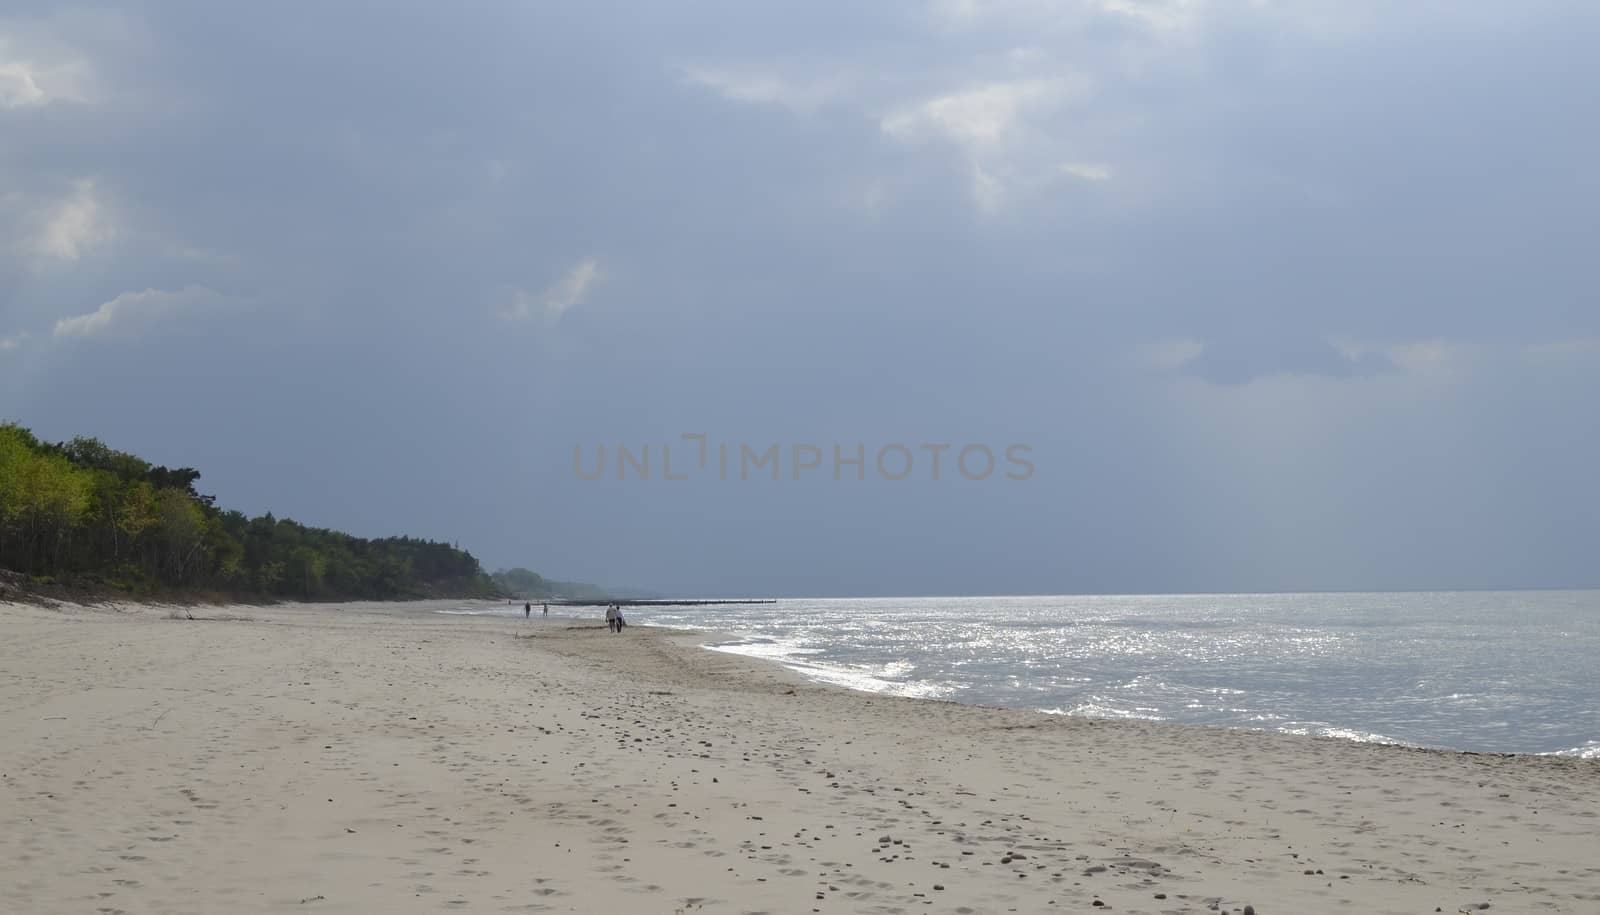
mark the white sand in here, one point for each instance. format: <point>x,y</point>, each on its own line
<point>374,759</point>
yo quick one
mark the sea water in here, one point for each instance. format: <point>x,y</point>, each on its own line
<point>1508,671</point>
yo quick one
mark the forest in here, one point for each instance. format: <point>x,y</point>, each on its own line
<point>529,585</point>
<point>84,516</point>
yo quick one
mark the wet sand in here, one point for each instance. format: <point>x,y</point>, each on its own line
<point>363,758</point>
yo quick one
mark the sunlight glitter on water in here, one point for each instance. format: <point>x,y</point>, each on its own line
<point>1486,671</point>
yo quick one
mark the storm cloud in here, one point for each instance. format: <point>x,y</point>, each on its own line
<point>1281,295</point>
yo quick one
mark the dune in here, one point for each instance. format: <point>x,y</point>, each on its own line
<point>365,757</point>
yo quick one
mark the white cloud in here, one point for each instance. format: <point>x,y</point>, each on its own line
<point>1432,356</point>
<point>40,74</point>
<point>979,116</point>
<point>958,15</point>
<point>127,312</point>
<point>559,297</point>
<point>571,290</point>
<point>1015,114</point>
<point>764,88</point>
<point>19,87</point>
<point>992,121</point>
<point>1436,359</point>
<point>74,224</point>
<point>989,123</point>
<point>12,341</point>
<point>961,15</point>
<point>988,189</point>
<point>1088,171</point>
<point>1158,14</point>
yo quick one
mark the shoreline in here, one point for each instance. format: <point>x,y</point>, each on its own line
<point>347,758</point>
<point>705,640</point>
<point>712,637</point>
<point>701,639</point>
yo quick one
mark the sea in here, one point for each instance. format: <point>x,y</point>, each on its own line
<point>1484,671</point>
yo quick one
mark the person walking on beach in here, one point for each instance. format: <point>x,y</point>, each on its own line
<point>620,621</point>
<point>527,611</point>
<point>611,618</point>
<point>546,610</point>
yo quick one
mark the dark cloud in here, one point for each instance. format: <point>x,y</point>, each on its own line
<point>806,222</point>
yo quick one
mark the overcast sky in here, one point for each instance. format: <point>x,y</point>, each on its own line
<point>1279,294</point>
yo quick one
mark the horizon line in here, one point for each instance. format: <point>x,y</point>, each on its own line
<point>777,596</point>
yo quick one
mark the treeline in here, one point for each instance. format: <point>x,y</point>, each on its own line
<point>84,515</point>
<point>525,583</point>
<point>530,585</point>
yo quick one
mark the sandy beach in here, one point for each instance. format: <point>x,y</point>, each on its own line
<point>363,758</point>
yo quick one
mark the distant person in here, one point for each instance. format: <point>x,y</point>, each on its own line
<point>621,622</point>
<point>611,618</point>
<point>527,611</point>
<point>546,610</point>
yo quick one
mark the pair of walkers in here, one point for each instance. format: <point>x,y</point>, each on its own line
<point>614,620</point>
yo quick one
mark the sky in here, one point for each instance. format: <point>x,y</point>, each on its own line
<point>1265,295</point>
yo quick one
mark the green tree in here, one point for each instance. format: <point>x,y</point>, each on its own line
<point>83,510</point>
<point>180,533</point>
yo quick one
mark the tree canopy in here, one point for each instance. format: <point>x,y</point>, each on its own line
<point>530,585</point>
<point>82,513</point>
